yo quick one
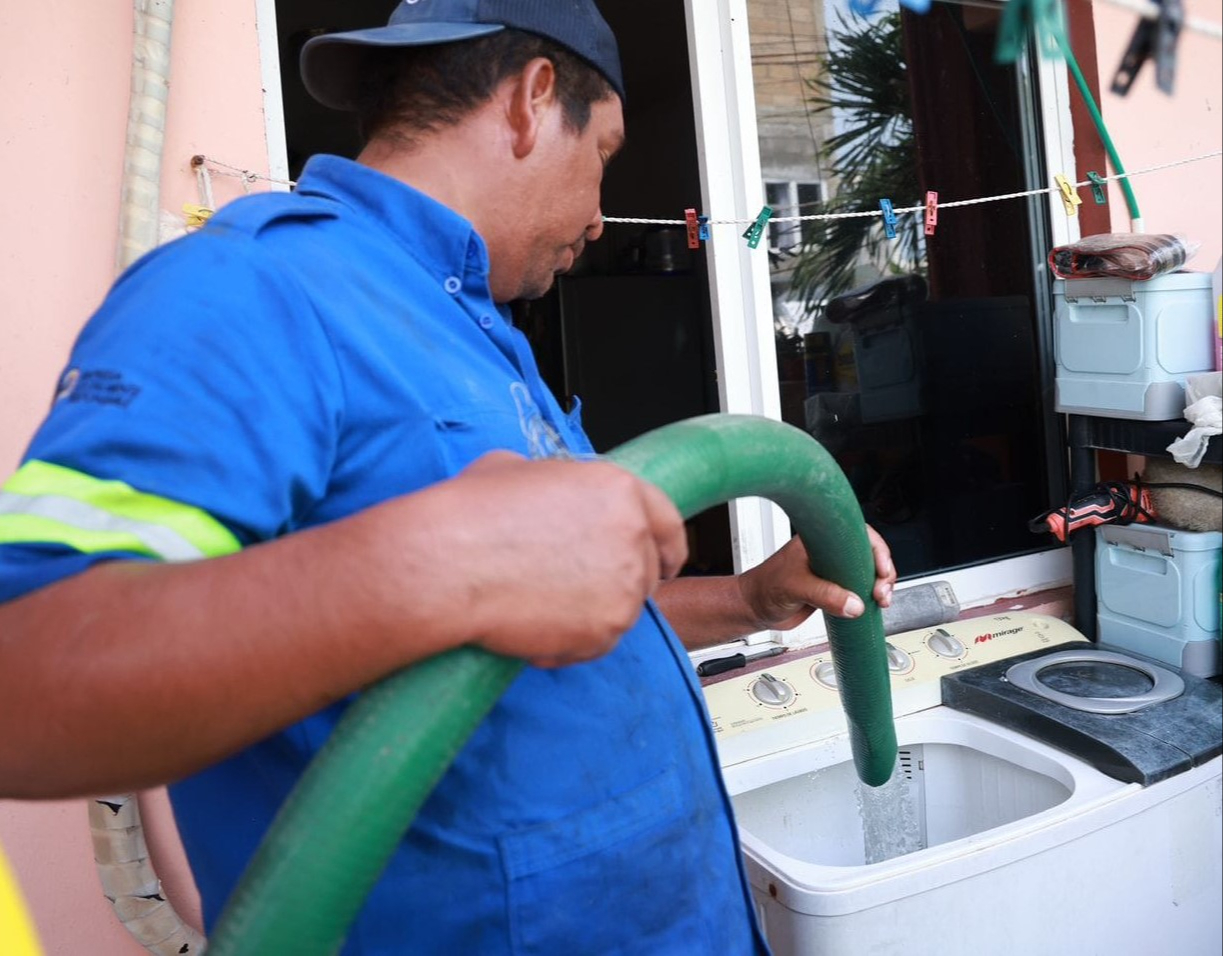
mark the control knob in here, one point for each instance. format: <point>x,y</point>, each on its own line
<point>825,673</point>
<point>898,660</point>
<point>769,690</point>
<point>944,644</point>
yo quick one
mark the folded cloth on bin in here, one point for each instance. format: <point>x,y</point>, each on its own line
<point>1204,411</point>
<point>1121,255</point>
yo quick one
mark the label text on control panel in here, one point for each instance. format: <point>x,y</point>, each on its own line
<point>986,638</point>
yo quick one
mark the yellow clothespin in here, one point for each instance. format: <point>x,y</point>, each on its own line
<point>196,215</point>
<point>1070,198</point>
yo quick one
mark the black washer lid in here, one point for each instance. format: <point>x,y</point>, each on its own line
<point>1143,746</point>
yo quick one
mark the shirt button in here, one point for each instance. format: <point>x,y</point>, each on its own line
<point>452,285</point>
<point>486,321</point>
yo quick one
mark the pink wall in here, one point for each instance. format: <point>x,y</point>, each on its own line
<point>1150,128</point>
<point>65,73</point>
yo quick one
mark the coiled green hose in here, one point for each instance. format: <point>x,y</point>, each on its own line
<point>339,827</point>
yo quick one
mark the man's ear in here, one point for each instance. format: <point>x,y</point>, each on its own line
<point>533,93</point>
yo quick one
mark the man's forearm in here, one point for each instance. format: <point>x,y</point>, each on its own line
<point>133,675</point>
<point>706,610</point>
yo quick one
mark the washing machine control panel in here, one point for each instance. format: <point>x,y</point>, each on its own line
<point>794,698</point>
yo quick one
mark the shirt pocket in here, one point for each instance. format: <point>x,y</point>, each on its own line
<point>465,433</point>
<point>592,883</point>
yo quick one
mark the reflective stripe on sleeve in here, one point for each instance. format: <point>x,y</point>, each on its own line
<point>50,504</point>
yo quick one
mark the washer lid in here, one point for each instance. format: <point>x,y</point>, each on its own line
<point>1143,746</point>
<point>1096,681</point>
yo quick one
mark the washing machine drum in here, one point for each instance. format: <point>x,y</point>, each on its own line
<point>1096,681</point>
<point>1131,718</point>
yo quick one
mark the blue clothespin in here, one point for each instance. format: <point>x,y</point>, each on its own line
<point>917,6</point>
<point>702,227</point>
<point>1043,19</point>
<point>756,229</point>
<point>863,8</point>
<point>889,218</point>
<point>1097,188</point>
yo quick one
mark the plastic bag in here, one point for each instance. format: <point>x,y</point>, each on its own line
<point>1204,411</point>
<point>1121,255</point>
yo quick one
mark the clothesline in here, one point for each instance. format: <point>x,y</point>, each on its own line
<point>922,209</point>
<point>226,169</point>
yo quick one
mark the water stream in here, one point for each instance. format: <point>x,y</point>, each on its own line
<point>890,825</point>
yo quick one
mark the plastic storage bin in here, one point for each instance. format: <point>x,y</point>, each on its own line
<point>1157,594</point>
<point>1124,349</point>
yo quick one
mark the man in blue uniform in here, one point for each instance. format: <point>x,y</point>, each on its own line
<point>304,447</point>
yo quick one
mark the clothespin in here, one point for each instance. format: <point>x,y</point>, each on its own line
<point>889,218</point>
<point>1153,38</point>
<point>196,215</point>
<point>917,6</point>
<point>694,235</point>
<point>703,228</point>
<point>863,8</point>
<point>931,212</point>
<point>756,229</point>
<point>1070,197</point>
<point>1042,19</point>
<point>1098,188</point>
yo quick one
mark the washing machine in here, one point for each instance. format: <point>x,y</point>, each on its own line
<point>1052,796</point>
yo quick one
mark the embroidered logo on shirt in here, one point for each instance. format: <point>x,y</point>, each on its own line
<point>98,386</point>
<point>543,441</point>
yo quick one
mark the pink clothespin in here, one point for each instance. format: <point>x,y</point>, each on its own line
<point>931,212</point>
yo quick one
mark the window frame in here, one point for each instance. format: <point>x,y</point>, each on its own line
<point>732,188</point>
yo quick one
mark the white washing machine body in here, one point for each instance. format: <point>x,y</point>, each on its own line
<point>1023,847</point>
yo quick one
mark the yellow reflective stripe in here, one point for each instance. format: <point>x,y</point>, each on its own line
<point>34,529</point>
<point>16,929</point>
<point>92,512</point>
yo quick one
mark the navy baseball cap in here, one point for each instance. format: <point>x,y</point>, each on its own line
<point>331,63</point>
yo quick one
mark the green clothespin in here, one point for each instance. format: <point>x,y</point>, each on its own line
<point>1098,188</point>
<point>1043,19</point>
<point>756,229</point>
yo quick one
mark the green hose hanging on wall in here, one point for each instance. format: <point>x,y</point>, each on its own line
<point>339,827</point>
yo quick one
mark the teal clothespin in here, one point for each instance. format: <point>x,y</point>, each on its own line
<point>1043,19</point>
<point>756,229</point>
<point>889,218</point>
<point>1097,188</point>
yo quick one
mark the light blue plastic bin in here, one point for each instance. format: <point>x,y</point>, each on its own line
<point>1124,349</point>
<point>1157,593</point>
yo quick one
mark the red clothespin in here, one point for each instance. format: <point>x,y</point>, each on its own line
<point>694,229</point>
<point>931,211</point>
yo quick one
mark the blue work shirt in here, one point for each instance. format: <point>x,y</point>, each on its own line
<point>306,356</point>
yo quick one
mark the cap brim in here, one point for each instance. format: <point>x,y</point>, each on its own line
<point>331,63</point>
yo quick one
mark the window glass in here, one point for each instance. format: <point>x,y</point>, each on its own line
<point>913,358</point>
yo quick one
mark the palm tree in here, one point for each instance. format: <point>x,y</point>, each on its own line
<point>863,79</point>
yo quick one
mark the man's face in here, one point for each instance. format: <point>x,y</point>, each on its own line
<point>564,212</point>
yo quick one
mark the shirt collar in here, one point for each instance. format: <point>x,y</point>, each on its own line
<point>451,245</point>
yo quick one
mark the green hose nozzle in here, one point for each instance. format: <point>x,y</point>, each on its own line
<point>339,827</point>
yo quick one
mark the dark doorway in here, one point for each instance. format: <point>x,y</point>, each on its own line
<point>628,331</point>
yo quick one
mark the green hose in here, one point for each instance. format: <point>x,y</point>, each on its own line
<point>339,827</point>
<point>1131,201</point>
